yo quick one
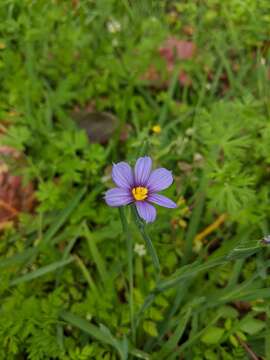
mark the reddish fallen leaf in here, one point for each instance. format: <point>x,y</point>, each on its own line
<point>14,196</point>
<point>184,79</point>
<point>8,151</point>
<point>174,49</point>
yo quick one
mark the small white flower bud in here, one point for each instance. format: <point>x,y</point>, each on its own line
<point>113,26</point>
<point>140,249</point>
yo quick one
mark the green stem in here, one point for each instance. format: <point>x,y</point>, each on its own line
<point>129,244</point>
<point>150,247</point>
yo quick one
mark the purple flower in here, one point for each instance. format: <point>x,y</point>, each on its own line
<point>140,187</point>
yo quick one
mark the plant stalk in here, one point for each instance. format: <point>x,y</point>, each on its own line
<point>129,244</point>
<point>150,247</point>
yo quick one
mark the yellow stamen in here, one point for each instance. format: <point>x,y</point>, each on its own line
<point>139,193</point>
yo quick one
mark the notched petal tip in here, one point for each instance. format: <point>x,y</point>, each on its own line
<point>122,175</point>
<point>142,170</point>
<point>146,211</point>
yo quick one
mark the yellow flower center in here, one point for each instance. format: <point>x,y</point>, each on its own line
<point>139,193</point>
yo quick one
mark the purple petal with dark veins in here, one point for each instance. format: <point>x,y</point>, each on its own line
<point>162,200</point>
<point>159,179</point>
<point>122,175</point>
<point>146,211</point>
<point>118,197</point>
<point>142,170</point>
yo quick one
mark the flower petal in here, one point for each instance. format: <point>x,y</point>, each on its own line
<point>162,200</point>
<point>118,197</point>
<point>142,170</point>
<point>146,211</point>
<point>122,175</point>
<point>159,179</point>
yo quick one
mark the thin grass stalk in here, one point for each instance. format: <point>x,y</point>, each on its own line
<point>150,247</point>
<point>87,276</point>
<point>129,244</point>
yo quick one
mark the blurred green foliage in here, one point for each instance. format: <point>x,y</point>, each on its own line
<point>63,284</point>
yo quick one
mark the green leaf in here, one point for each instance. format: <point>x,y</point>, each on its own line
<point>252,326</point>
<point>150,328</point>
<point>212,335</point>
<point>227,311</point>
<point>17,137</point>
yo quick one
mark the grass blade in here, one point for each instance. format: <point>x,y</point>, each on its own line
<point>195,219</point>
<point>163,328</point>
<point>171,344</point>
<point>66,254</point>
<point>17,258</point>
<point>188,271</point>
<point>95,254</point>
<point>241,252</point>
<point>87,275</point>
<point>139,354</point>
<point>191,340</point>
<point>101,334</point>
<point>64,215</point>
<point>61,219</point>
<point>104,335</point>
<point>41,271</point>
<point>147,303</point>
<point>170,93</point>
